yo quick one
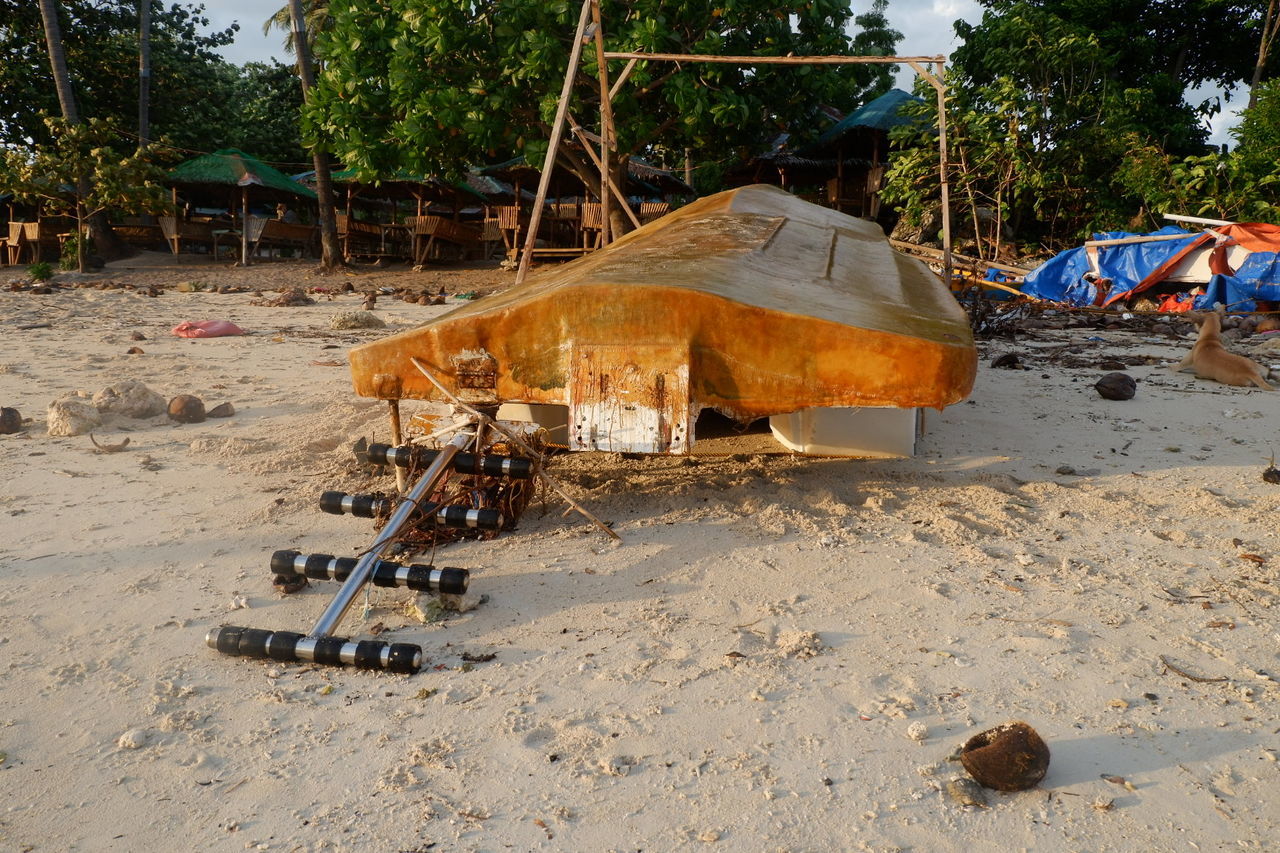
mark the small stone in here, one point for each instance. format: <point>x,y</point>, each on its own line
<point>134,739</point>
<point>1117,386</point>
<point>709,836</point>
<point>137,336</point>
<point>10,421</point>
<point>186,409</point>
<point>135,351</point>
<point>72,416</point>
<point>131,399</point>
<point>966,792</point>
<point>1007,361</point>
<point>222,410</point>
<point>918,732</point>
<point>462,603</point>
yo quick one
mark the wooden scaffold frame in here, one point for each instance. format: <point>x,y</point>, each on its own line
<point>931,68</point>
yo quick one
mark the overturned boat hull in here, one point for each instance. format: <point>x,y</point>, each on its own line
<point>750,302</point>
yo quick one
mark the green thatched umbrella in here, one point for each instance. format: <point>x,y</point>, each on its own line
<point>231,167</point>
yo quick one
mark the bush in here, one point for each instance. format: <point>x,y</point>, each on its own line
<point>40,271</point>
<point>69,260</point>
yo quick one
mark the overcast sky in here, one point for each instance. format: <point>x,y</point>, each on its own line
<point>925,26</point>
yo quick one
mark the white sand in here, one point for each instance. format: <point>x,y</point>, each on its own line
<point>739,674</point>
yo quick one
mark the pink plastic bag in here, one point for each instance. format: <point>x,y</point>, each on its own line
<point>207,329</point>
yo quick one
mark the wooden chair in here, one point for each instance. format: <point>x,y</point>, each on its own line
<point>177,231</point>
<point>651,210</point>
<point>15,243</point>
<point>359,239</point>
<point>592,225</point>
<point>292,235</point>
<point>430,232</point>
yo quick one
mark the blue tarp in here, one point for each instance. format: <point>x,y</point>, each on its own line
<point>1061,278</point>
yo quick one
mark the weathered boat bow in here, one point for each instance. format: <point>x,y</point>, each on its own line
<point>751,302</point>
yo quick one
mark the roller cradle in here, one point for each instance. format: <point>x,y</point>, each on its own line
<point>332,651</point>
<point>320,646</point>
<point>464,463</point>
<point>386,573</point>
<point>368,506</point>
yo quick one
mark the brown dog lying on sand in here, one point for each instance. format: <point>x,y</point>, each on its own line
<point>1209,359</point>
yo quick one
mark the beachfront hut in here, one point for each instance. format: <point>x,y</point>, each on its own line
<point>859,147</point>
<point>844,167</point>
<point>234,175</point>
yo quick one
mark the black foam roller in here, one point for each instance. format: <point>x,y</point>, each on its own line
<point>317,566</point>
<point>282,562</point>
<point>384,573</point>
<point>331,502</point>
<point>253,643</point>
<point>404,658</point>
<point>228,640</point>
<point>369,654</point>
<point>329,650</point>
<point>284,646</point>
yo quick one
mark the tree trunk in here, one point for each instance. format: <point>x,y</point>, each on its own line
<point>144,73</point>
<point>105,240</point>
<point>58,61</point>
<point>329,249</point>
<point>1269,26</point>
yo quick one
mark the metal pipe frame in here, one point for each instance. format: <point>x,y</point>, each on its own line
<point>436,472</point>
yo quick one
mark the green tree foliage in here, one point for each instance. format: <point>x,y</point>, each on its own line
<point>100,38</point>
<point>1243,184</point>
<point>1042,116</point>
<point>1191,42</point>
<point>267,112</point>
<point>80,172</point>
<point>434,86</point>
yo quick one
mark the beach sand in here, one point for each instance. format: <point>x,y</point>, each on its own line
<point>740,673</point>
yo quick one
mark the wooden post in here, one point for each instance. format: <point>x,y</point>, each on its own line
<point>397,438</point>
<point>941,88</point>
<point>244,227</point>
<point>557,130</point>
<point>606,128</point>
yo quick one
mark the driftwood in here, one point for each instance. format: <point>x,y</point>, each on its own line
<point>939,254</point>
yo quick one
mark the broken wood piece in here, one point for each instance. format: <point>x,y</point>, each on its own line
<point>109,448</point>
<point>1164,660</point>
<point>518,442</point>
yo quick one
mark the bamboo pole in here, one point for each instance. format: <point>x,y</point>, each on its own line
<point>606,128</point>
<point>1197,220</point>
<point>613,187</point>
<point>622,78</point>
<point>945,189</point>
<point>557,130</point>
<point>1146,238</point>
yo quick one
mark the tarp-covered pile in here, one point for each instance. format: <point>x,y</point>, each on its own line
<point>1231,265</point>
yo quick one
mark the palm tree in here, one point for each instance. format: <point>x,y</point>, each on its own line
<point>330,253</point>
<point>58,61</point>
<point>315,15</point>
<point>106,241</point>
<point>144,73</point>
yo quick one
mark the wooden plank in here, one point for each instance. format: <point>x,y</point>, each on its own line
<point>938,253</point>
